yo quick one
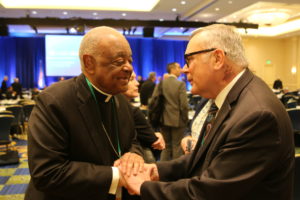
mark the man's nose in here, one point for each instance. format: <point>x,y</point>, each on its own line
<point>185,69</point>
<point>127,68</point>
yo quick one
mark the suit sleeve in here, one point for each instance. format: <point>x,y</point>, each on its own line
<point>183,101</point>
<point>51,167</point>
<point>242,161</point>
<point>145,133</point>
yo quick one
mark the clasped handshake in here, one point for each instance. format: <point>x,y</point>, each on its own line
<point>134,172</point>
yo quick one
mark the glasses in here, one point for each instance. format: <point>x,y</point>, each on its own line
<point>186,56</point>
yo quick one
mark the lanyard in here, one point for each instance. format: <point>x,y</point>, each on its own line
<point>115,121</point>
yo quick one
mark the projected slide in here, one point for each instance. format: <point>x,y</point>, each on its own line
<point>62,55</point>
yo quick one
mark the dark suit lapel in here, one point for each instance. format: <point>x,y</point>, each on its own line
<point>87,107</point>
<point>221,116</point>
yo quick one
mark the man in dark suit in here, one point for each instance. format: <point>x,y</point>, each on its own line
<point>147,89</point>
<point>175,113</point>
<point>248,149</point>
<point>80,128</point>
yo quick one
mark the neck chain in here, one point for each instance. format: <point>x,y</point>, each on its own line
<point>118,153</point>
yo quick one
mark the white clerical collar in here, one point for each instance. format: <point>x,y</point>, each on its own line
<point>223,94</point>
<point>108,96</point>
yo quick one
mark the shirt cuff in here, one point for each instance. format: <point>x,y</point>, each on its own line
<point>115,180</point>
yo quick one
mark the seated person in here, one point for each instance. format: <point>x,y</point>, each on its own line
<point>35,91</point>
<point>278,88</point>
<point>10,93</point>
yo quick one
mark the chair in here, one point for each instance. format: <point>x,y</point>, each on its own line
<point>288,97</point>
<point>5,125</point>
<point>27,108</point>
<point>6,112</point>
<point>292,104</point>
<point>295,119</point>
<point>297,179</point>
<point>18,120</point>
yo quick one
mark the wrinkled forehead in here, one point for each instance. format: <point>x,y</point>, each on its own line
<point>115,45</point>
<point>196,43</point>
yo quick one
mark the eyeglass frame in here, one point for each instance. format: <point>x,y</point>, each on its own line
<point>196,52</point>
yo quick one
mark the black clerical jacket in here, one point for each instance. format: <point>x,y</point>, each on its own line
<point>69,154</point>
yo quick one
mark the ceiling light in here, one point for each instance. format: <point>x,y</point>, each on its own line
<point>65,12</point>
<point>34,12</point>
<point>161,19</point>
<point>124,14</point>
<point>174,9</point>
<point>95,13</point>
<point>116,5</point>
<point>294,70</point>
<point>269,17</point>
<point>217,9</point>
<point>183,2</point>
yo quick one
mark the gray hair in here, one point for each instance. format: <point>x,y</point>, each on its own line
<point>226,38</point>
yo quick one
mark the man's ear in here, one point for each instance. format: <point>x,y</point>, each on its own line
<point>219,60</point>
<point>89,64</point>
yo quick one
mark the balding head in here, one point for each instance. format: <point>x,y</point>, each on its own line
<point>106,58</point>
<point>96,40</point>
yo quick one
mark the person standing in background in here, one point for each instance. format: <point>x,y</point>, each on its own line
<point>141,81</point>
<point>147,89</point>
<point>175,114</point>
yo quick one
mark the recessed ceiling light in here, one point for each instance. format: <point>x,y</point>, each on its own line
<point>95,13</point>
<point>196,20</point>
<point>217,9</point>
<point>34,12</point>
<point>268,17</point>
<point>65,12</point>
<point>161,19</point>
<point>116,5</point>
<point>183,2</point>
<point>124,14</point>
<point>174,9</point>
<point>230,2</point>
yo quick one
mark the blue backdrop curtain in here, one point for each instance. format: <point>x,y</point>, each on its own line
<point>24,57</point>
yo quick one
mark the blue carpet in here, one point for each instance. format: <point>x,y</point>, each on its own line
<point>14,178</point>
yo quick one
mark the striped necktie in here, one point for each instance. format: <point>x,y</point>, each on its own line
<point>208,121</point>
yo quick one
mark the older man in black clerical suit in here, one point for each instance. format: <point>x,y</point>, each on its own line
<point>81,131</point>
<point>245,149</point>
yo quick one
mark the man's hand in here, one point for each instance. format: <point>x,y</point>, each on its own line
<point>130,163</point>
<point>159,144</point>
<point>134,182</point>
<point>152,170</point>
<point>186,147</point>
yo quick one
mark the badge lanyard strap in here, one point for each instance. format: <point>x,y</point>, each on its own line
<point>115,121</point>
